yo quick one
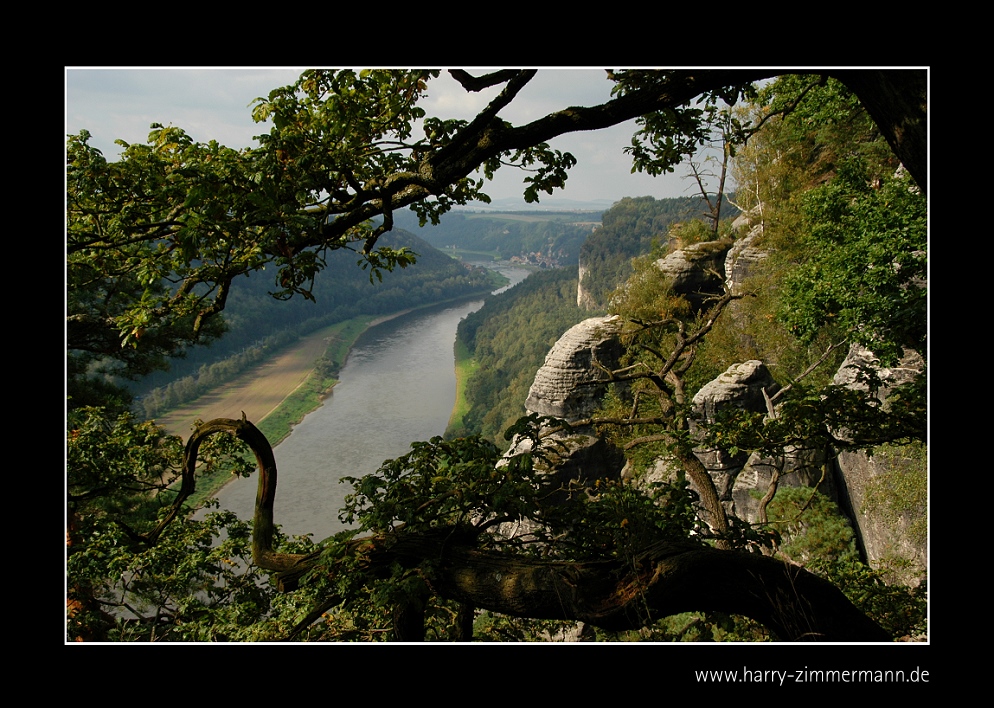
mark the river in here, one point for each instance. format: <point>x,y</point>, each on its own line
<point>398,386</point>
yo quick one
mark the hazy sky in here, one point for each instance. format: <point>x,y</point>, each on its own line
<point>213,103</point>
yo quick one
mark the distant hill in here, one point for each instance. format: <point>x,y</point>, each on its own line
<point>509,338</point>
<point>551,238</point>
<point>341,291</point>
<point>628,230</point>
<point>512,204</point>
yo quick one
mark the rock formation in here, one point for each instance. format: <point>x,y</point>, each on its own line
<point>571,382</point>
<point>743,479</point>
<point>884,494</point>
<point>742,260</point>
<point>740,386</point>
<point>570,385</point>
<point>697,270</point>
<point>584,299</point>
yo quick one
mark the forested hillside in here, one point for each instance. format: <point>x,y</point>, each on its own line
<point>513,332</point>
<point>509,338</point>
<point>555,237</point>
<point>257,324</point>
<point>629,229</point>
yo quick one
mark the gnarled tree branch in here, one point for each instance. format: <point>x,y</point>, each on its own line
<point>666,578</point>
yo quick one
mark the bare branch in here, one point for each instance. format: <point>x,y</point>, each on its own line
<point>779,394</point>
<point>478,83</point>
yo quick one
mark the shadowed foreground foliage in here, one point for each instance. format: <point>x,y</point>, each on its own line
<point>627,562</point>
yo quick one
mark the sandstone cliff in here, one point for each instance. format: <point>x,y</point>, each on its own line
<point>570,385</point>
<point>572,382</point>
<point>886,494</point>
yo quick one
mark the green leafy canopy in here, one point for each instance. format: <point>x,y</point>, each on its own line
<point>867,264</point>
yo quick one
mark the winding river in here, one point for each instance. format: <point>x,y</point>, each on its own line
<point>398,386</point>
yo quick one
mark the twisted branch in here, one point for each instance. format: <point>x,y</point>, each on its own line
<point>667,578</point>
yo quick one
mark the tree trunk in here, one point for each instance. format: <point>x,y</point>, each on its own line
<point>667,579</point>
<point>409,618</point>
<point>897,100</point>
<point>467,615</point>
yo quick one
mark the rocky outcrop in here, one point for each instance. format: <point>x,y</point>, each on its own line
<point>696,270</point>
<point>885,494</point>
<point>742,479</point>
<point>570,383</point>
<point>584,299</point>
<point>886,497</point>
<point>906,370</point>
<point>743,260</point>
<point>574,458</point>
<point>798,467</point>
<point>740,386</point>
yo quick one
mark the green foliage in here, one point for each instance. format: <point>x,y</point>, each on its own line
<point>667,136</point>
<point>194,582</point>
<point>811,529</point>
<point>686,233</point>
<point>333,130</point>
<point>628,230</point>
<point>900,494</point>
<point>867,265</point>
<point>815,534</point>
<point>608,519</point>
<point>439,483</point>
<point>551,173</point>
<point>106,455</point>
<point>808,127</point>
<point>509,338</point>
<point>647,295</point>
<point>465,488</point>
<point>694,627</point>
<point>466,483</point>
<point>847,244</point>
<point>492,627</point>
<point>826,124</point>
<point>170,209</point>
<point>192,586</point>
<point>844,417</point>
<point>902,610</point>
<point>341,136</point>
<point>809,292</point>
<point>624,520</point>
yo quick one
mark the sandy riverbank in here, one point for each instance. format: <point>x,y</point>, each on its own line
<point>262,389</point>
